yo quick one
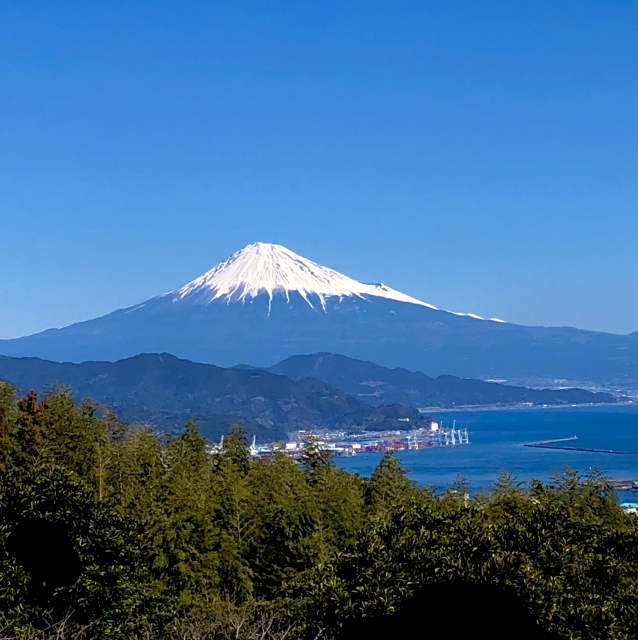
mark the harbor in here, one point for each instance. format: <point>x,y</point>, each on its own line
<point>347,444</point>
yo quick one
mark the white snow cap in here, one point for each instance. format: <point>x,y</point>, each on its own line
<point>271,269</point>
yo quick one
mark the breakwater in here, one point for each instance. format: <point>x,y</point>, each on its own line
<point>556,444</point>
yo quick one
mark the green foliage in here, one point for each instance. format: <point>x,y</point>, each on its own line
<point>235,450</point>
<point>167,391</point>
<point>389,489</point>
<point>315,458</point>
<point>111,593</point>
<point>178,540</point>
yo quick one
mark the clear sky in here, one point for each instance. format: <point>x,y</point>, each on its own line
<point>482,156</point>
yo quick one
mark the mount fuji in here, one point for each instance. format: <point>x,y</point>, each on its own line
<point>266,303</point>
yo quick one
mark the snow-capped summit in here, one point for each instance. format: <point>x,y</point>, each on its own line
<point>266,303</point>
<point>272,269</point>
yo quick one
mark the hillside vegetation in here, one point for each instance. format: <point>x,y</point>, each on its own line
<point>177,542</point>
<point>304,392</point>
<point>165,392</point>
<point>380,385</point>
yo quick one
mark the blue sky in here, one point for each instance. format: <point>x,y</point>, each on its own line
<point>482,156</point>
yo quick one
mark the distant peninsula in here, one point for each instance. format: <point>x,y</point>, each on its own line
<point>380,385</point>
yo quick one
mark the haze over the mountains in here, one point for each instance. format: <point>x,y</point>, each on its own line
<point>266,303</point>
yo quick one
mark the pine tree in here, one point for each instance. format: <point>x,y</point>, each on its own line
<point>389,487</point>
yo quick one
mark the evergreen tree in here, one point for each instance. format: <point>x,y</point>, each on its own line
<point>178,540</point>
<point>315,458</point>
<point>389,488</point>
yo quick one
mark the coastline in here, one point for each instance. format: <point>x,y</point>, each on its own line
<point>524,407</point>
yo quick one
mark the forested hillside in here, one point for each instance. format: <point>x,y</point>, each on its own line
<point>303,392</point>
<point>165,392</point>
<point>380,385</point>
<point>175,542</point>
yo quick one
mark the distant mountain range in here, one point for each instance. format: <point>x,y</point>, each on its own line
<point>165,392</point>
<point>310,392</point>
<point>266,303</point>
<point>380,385</point>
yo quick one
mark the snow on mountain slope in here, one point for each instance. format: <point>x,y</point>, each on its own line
<point>273,269</point>
<point>294,306</point>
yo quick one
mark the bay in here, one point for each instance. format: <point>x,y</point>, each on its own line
<point>497,440</point>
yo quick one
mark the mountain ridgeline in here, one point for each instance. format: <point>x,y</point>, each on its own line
<point>322,391</point>
<point>166,392</point>
<point>380,385</point>
<point>266,303</point>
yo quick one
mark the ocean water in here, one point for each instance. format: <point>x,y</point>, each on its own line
<point>497,438</point>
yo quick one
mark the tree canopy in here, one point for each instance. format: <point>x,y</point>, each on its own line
<point>179,540</point>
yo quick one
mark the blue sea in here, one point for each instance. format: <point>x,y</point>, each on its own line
<point>497,438</point>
